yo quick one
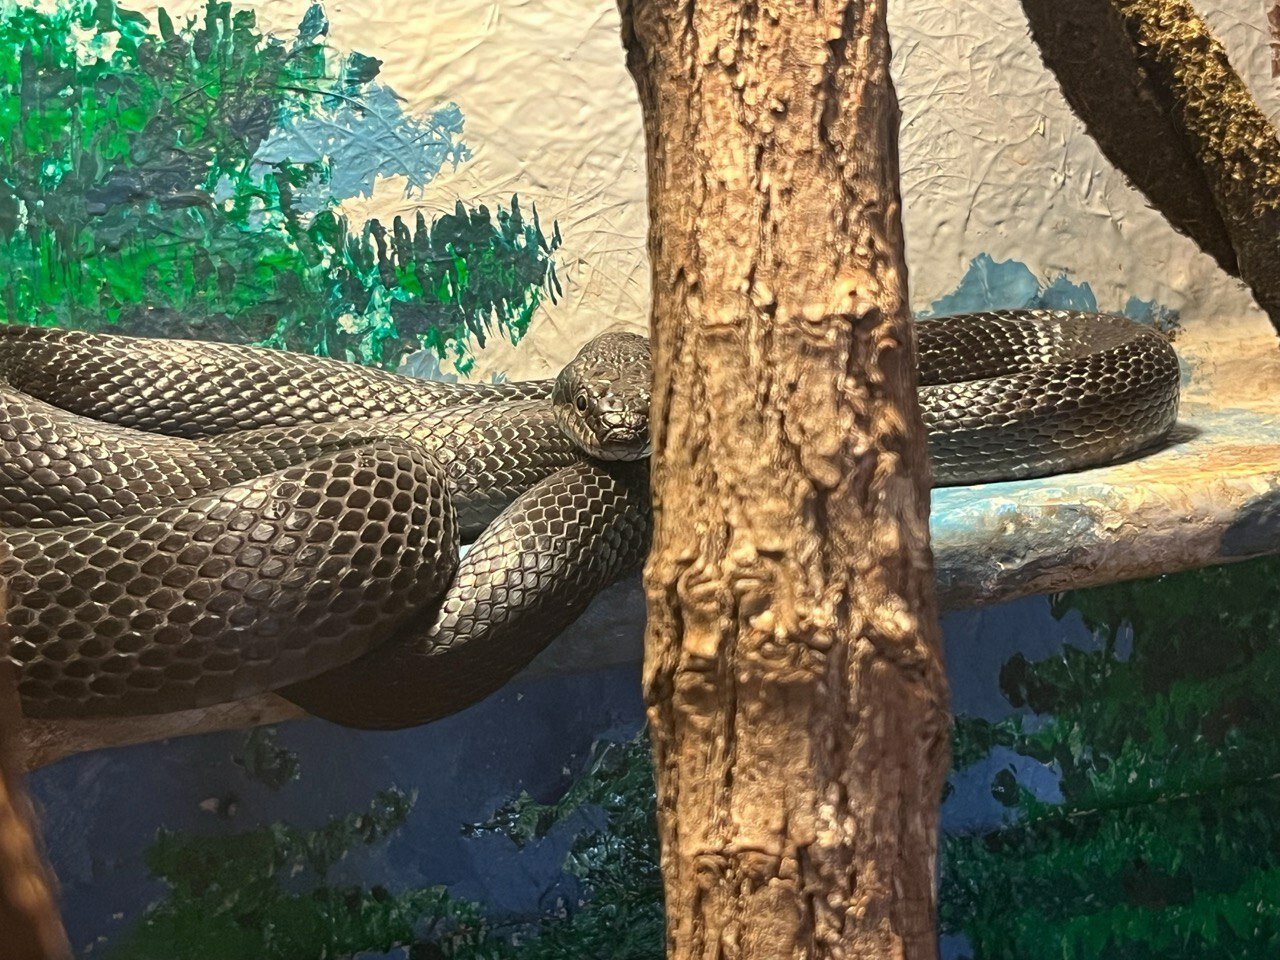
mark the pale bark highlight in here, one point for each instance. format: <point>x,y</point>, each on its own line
<point>793,673</point>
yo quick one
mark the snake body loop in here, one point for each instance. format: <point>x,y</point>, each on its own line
<point>1020,394</point>
<point>189,523</point>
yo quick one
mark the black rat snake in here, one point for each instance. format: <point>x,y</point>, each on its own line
<point>189,523</point>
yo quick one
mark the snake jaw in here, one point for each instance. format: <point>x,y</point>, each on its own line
<point>624,444</point>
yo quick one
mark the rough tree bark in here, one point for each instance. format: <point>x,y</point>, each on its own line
<point>1155,88</point>
<point>29,925</point>
<point>796,694</point>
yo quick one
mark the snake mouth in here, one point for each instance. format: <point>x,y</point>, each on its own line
<point>623,444</point>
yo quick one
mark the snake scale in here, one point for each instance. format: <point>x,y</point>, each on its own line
<point>189,523</point>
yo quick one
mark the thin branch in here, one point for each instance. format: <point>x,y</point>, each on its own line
<point>1156,89</point>
<point>29,925</point>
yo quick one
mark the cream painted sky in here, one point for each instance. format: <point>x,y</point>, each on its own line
<point>551,114</point>
<point>993,160</point>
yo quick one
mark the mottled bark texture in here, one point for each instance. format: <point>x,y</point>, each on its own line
<point>29,925</point>
<point>1154,87</point>
<point>1273,19</point>
<point>796,695</point>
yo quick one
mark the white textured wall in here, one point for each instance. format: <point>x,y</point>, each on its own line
<point>551,114</point>
<point>993,160</point>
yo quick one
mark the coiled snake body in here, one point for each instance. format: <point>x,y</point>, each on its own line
<point>189,523</point>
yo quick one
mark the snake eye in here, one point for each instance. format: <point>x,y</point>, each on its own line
<point>580,403</point>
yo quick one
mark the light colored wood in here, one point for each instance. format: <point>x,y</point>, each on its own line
<point>30,928</point>
<point>45,741</point>
<point>1210,495</point>
<point>796,695</point>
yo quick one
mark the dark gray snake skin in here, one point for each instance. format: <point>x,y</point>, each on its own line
<point>189,523</point>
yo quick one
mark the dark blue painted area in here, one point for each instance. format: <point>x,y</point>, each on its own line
<point>971,804</point>
<point>1256,529</point>
<point>954,947</point>
<point>978,643</point>
<point>101,811</point>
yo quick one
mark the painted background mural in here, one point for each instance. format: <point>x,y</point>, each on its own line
<point>455,188</point>
<point>373,179</point>
<point>185,178</point>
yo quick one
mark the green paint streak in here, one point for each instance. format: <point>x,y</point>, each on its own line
<point>266,762</point>
<point>1167,843</point>
<point>131,199</point>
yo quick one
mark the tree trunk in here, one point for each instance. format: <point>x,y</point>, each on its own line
<point>796,695</point>
<point>29,924</point>
<point>1155,88</point>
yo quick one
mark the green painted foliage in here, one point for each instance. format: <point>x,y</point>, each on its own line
<point>1167,841</point>
<point>134,197</point>
<point>265,894</point>
<point>1165,844</point>
<point>621,914</point>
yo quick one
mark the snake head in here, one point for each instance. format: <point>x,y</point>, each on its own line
<point>601,399</point>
